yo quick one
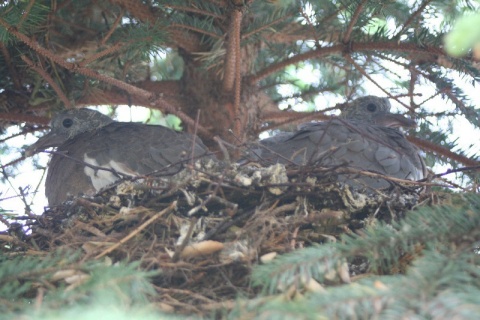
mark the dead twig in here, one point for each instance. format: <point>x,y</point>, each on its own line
<point>165,211</point>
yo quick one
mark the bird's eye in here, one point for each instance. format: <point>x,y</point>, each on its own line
<point>67,123</point>
<point>371,107</point>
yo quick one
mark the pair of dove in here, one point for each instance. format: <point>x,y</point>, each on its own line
<point>93,151</point>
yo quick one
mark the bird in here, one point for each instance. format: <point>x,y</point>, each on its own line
<point>94,151</point>
<point>365,137</point>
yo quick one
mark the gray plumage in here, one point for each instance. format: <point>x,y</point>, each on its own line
<point>364,137</point>
<point>125,148</point>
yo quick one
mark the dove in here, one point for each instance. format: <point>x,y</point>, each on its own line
<point>93,151</point>
<point>364,137</point>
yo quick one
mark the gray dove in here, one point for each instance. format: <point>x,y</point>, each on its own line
<point>364,137</point>
<point>94,151</point>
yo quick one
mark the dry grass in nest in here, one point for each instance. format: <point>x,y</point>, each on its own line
<point>206,230</point>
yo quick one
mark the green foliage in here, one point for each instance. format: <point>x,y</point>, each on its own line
<point>14,14</point>
<point>95,284</point>
<point>167,66</point>
<point>443,280</point>
<point>148,39</point>
<point>464,36</point>
<point>99,311</point>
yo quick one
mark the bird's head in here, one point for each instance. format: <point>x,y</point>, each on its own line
<point>375,110</point>
<point>68,124</point>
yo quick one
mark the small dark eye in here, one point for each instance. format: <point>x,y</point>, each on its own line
<point>371,107</point>
<point>67,123</point>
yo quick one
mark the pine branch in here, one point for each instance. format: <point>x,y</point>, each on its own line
<point>442,151</point>
<point>156,101</point>
<point>49,80</point>
<point>89,282</point>
<point>352,47</point>
<point>381,245</point>
<point>353,21</point>
<point>412,17</point>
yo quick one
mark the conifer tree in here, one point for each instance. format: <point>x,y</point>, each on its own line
<point>235,69</point>
<point>233,63</point>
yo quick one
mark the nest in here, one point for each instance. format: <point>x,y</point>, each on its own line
<point>206,227</point>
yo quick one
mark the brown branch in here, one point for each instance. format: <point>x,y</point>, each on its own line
<point>240,114</point>
<point>152,219</point>
<point>412,17</point>
<point>442,151</point>
<point>11,68</point>
<point>221,3</point>
<point>302,32</point>
<point>448,92</point>
<point>233,51</point>
<point>464,169</point>
<point>241,118</point>
<point>412,82</point>
<point>49,79</point>
<point>188,41</point>
<point>18,117</point>
<point>353,47</point>
<point>353,21</point>
<point>170,93</point>
<point>266,26</point>
<point>26,13</point>
<point>137,9</point>
<point>294,32</point>
<point>433,80</point>
<point>12,163</point>
<point>113,28</point>
<point>145,13</point>
<point>111,49</point>
<point>194,10</point>
<point>366,75</point>
<point>23,132</point>
<point>201,31</point>
<point>156,100</point>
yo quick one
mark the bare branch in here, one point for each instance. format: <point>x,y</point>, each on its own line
<point>50,81</point>
<point>353,47</point>
<point>353,21</point>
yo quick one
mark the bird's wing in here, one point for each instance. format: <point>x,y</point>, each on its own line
<point>339,142</point>
<point>93,160</point>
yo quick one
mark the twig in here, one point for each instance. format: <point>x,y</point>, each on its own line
<point>221,145</point>
<point>186,240</point>
<point>155,98</point>
<point>266,26</point>
<point>353,47</point>
<point>353,21</point>
<point>240,114</point>
<point>167,210</point>
<point>113,27</point>
<point>185,292</point>
<point>192,152</point>
<point>26,12</point>
<point>366,75</point>
<point>201,31</point>
<point>194,10</point>
<point>427,145</point>
<point>411,17</point>
<point>233,50</point>
<point>49,79</point>
<point>449,171</point>
<point>111,49</point>
<point>11,68</point>
<point>194,210</point>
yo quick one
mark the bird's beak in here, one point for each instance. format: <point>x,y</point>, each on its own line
<point>394,120</point>
<point>47,141</point>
